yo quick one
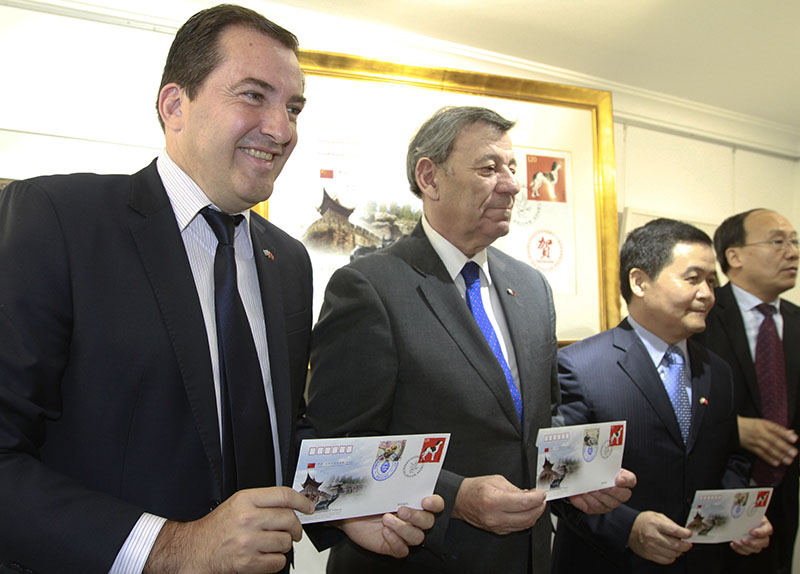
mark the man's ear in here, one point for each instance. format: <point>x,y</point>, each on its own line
<point>733,257</point>
<point>639,282</point>
<point>425,173</point>
<point>170,99</point>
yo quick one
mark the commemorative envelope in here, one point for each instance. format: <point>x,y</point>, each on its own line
<point>725,515</point>
<point>577,459</point>
<point>359,476</point>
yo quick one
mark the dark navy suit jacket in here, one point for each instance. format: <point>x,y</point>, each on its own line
<point>107,404</point>
<point>611,377</point>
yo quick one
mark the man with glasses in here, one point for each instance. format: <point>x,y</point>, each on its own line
<point>758,334</point>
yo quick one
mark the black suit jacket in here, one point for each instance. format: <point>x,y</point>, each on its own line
<point>725,335</point>
<point>610,377</point>
<point>106,388</point>
<point>396,350</point>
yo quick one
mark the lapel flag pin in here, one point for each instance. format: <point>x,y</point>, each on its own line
<point>703,401</point>
<point>511,292</point>
<point>269,254</point>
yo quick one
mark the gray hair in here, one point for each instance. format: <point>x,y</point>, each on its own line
<point>435,138</point>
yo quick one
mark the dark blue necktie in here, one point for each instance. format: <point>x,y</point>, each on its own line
<point>471,275</point>
<point>248,457</point>
<point>675,383</point>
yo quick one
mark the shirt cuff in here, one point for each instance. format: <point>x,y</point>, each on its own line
<point>134,553</point>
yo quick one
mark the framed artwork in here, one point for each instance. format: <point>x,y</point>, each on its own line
<point>346,193</point>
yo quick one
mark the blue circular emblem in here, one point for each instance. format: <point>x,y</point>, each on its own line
<point>383,469</point>
<point>737,510</point>
<point>589,452</point>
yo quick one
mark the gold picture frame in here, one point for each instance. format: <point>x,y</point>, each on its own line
<point>598,123</point>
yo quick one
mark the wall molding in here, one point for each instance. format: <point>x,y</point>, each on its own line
<point>632,105</point>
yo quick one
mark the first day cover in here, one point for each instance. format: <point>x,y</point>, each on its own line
<point>725,515</point>
<point>360,476</point>
<point>580,458</point>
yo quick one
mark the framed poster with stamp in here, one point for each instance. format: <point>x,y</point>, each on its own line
<point>345,191</point>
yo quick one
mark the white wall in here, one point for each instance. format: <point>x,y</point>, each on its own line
<point>79,96</point>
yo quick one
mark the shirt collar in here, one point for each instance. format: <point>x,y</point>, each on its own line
<point>656,347</point>
<point>453,259</point>
<point>184,194</point>
<point>748,301</point>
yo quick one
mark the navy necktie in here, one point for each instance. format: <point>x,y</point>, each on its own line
<point>675,383</point>
<point>248,456</point>
<point>471,274</point>
<point>771,378</point>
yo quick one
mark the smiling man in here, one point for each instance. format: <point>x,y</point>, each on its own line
<point>677,399</point>
<point>154,337</point>
<point>758,334</point>
<point>441,332</point>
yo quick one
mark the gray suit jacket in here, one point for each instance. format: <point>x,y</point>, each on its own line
<point>396,350</point>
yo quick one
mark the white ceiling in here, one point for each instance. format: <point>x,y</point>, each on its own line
<point>739,55</point>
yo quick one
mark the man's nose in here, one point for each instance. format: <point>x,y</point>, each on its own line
<point>277,125</point>
<point>507,182</point>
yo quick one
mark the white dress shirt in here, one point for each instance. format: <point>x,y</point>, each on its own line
<point>752,317</point>
<point>657,348</point>
<point>454,262</point>
<point>187,199</point>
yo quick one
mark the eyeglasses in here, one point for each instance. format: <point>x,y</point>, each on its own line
<point>777,244</point>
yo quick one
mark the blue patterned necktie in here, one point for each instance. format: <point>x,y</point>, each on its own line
<point>471,274</point>
<point>675,383</point>
<point>248,457</point>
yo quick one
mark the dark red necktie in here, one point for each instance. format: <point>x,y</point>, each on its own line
<point>248,457</point>
<point>771,377</point>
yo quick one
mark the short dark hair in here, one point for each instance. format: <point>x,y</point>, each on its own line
<point>194,53</point>
<point>435,138</point>
<point>730,233</point>
<point>650,248</point>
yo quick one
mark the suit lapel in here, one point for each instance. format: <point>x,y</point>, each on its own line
<point>444,301</point>
<point>157,238</point>
<point>733,327</point>
<point>791,338</point>
<point>701,388</point>
<point>639,368</point>
<point>531,343</point>
<point>269,280</point>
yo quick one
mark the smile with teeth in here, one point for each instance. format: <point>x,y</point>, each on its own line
<point>258,154</point>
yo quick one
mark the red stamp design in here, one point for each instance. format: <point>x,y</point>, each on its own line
<point>616,435</point>
<point>432,449</point>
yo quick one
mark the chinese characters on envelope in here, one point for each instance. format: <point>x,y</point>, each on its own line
<point>725,515</point>
<point>577,459</point>
<point>348,477</point>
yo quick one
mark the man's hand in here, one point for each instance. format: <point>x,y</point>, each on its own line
<point>756,542</point>
<point>656,538</point>
<point>393,533</point>
<point>601,501</point>
<point>494,504</point>
<point>249,532</point>
<point>771,442</point>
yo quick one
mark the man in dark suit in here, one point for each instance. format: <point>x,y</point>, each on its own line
<point>677,399</point>
<point>397,350</point>
<point>112,456</point>
<point>757,250</point>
